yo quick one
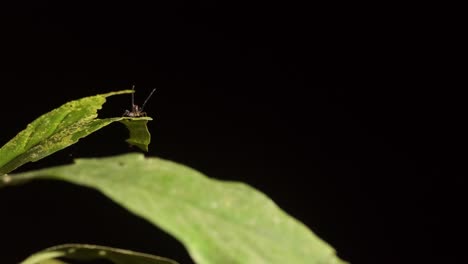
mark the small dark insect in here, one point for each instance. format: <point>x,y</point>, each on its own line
<point>136,110</point>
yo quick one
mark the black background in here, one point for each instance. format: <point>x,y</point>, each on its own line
<point>334,111</point>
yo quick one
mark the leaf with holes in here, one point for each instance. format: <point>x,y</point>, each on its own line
<point>63,127</point>
<point>217,221</point>
<point>82,252</point>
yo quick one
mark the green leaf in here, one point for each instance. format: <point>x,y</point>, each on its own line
<point>217,221</point>
<point>63,127</point>
<point>93,252</point>
<point>52,261</point>
<point>139,134</point>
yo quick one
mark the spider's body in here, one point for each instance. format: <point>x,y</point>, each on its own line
<point>136,110</point>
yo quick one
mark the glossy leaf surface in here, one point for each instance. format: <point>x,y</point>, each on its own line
<point>217,221</point>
